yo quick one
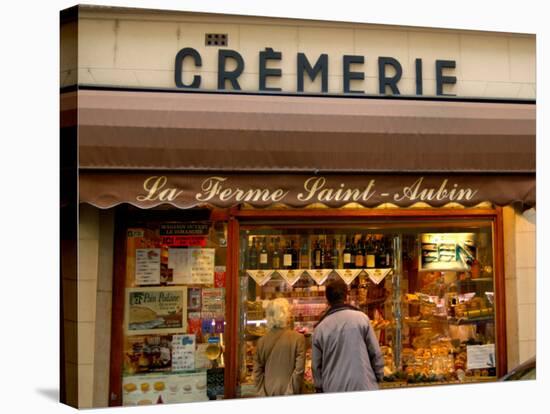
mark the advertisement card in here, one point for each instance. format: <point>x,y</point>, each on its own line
<point>192,266</point>
<point>147,353</point>
<point>183,352</point>
<point>202,265</point>
<point>147,266</point>
<point>178,261</point>
<point>219,276</point>
<point>194,301</point>
<point>480,356</point>
<point>156,310</point>
<point>213,303</point>
<point>201,360</point>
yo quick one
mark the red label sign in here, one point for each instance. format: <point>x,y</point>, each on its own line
<point>184,241</point>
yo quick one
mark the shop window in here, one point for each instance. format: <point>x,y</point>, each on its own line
<point>174,313</point>
<point>427,288</point>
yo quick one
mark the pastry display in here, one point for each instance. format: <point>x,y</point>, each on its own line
<point>159,386</point>
<point>476,307</point>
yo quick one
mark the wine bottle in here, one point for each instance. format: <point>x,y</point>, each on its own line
<point>340,247</point>
<point>347,255</point>
<point>381,253</point>
<point>327,254</point>
<point>335,255</point>
<point>353,250</point>
<point>287,256</point>
<point>264,255</point>
<point>304,254</point>
<point>359,254</point>
<point>253,255</point>
<point>317,255</point>
<point>323,253</point>
<point>276,255</point>
<point>295,255</point>
<point>371,254</point>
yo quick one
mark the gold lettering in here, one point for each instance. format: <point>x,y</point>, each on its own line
<point>368,192</point>
<point>311,185</point>
<point>154,187</point>
<point>415,192</point>
<point>278,194</point>
<point>409,192</point>
<point>463,194</point>
<point>211,186</point>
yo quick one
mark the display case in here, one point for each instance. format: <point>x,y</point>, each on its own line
<point>427,288</point>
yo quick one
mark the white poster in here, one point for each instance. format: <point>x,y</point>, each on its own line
<point>178,261</point>
<point>480,356</point>
<point>202,265</point>
<point>147,266</point>
<point>183,352</point>
<point>192,266</point>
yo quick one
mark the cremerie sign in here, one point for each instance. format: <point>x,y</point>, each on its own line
<point>352,65</point>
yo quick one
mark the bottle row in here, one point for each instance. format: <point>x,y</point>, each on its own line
<point>355,251</point>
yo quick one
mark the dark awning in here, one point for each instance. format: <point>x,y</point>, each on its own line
<point>185,190</point>
<point>246,133</point>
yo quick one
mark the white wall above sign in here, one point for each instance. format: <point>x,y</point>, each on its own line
<point>139,49</point>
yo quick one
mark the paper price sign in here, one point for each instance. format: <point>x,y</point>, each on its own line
<point>319,275</point>
<point>377,275</point>
<point>261,277</point>
<point>348,275</point>
<point>291,276</point>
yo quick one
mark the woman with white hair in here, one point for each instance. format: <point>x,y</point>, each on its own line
<point>280,354</point>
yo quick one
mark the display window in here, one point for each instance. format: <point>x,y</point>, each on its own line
<point>427,286</point>
<point>172,345</point>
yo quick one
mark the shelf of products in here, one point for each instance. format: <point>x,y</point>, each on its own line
<point>334,251</point>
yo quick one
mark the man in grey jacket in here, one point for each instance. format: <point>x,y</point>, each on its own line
<point>345,352</point>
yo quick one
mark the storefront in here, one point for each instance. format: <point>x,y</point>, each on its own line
<point>198,203</point>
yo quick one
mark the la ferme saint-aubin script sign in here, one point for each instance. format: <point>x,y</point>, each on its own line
<point>312,68</point>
